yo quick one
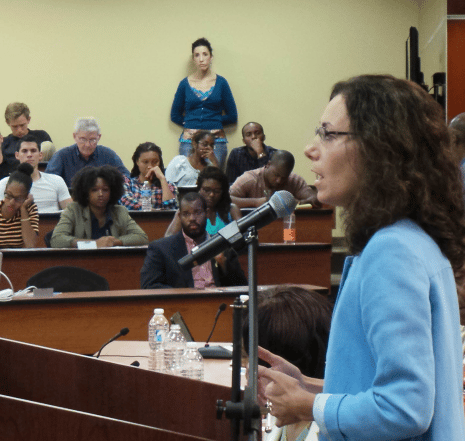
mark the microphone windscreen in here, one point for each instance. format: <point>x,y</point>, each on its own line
<point>283,203</point>
<point>124,331</point>
<point>222,307</point>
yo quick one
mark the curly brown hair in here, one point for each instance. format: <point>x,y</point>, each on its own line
<point>408,161</point>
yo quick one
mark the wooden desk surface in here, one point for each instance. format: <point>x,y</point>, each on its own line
<point>276,263</point>
<point>82,322</point>
<point>311,225</point>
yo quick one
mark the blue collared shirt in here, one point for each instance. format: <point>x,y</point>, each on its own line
<point>67,161</point>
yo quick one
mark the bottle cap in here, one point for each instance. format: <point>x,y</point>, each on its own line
<point>191,344</point>
<point>175,327</point>
<point>244,298</point>
<point>159,311</point>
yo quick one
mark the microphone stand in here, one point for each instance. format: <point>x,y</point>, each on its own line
<point>248,410</point>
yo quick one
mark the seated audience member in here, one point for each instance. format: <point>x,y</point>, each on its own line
<point>67,161</point>
<point>255,187</point>
<point>49,191</point>
<point>213,185</point>
<point>457,132</point>
<point>293,323</point>
<point>19,218</point>
<point>161,268</point>
<point>17,116</point>
<point>254,154</point>
<point>94,215</point>
<point>183,171</point>
<point>148,166</point>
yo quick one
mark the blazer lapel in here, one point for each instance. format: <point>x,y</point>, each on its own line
<point>87,222</point>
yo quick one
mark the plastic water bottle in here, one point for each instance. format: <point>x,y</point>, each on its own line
<point>289,228</point>
<point>175,345</point>
<point>146,197</point>
<point>158,330</point>
<point>193,362</point>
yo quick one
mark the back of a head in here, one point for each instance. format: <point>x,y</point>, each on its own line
<point>283,159</point>
<point>22,175</point>
<point>294,323</point>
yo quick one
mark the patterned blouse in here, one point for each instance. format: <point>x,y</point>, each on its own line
<point>131,196</point>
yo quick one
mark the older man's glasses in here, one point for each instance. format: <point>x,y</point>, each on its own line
<point>91,141</point>
<point>327,135</point>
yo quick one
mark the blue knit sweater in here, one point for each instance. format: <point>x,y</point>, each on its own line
<point>218,110</point>
<point>394,360</point>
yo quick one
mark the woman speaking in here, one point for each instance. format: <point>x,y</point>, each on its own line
<point>394,359</point>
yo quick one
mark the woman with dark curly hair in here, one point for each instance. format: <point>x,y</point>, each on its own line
<point>94,215</point>
<point>394,360</point>
<point>148,166</point>
<point>213,185</point>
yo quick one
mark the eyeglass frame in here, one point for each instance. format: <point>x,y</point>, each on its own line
<point>323,133</point>
<point>16,199</point>
<point>93,141</point>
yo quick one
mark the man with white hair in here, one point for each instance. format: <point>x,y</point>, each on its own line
<point>67,161</point>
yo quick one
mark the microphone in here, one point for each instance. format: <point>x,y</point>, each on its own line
<point>220,310</point>
<point>123,331</point>
<point>281,204</point>
<point>215,351</point>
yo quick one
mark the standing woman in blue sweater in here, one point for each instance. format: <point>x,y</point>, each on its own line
<point>204,101</point>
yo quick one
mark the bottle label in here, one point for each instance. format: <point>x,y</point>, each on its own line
<point>289,234</point>
<point>159,335</point>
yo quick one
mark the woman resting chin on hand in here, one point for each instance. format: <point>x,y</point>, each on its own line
<point>19,218</point>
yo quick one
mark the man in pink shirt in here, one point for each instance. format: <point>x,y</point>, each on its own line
<point>161,268</point>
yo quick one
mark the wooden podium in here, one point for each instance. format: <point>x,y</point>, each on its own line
<point>47,394</point>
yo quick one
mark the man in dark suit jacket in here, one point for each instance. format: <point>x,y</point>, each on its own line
<point>161,268</point>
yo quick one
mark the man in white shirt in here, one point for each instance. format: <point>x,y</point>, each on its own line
<point>49,191</point>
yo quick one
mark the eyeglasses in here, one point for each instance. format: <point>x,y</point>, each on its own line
<point>91,141</point>
<point>206,144</point>
<point>213,191</point>
<point>10,197</point>
<point>325,134</point>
